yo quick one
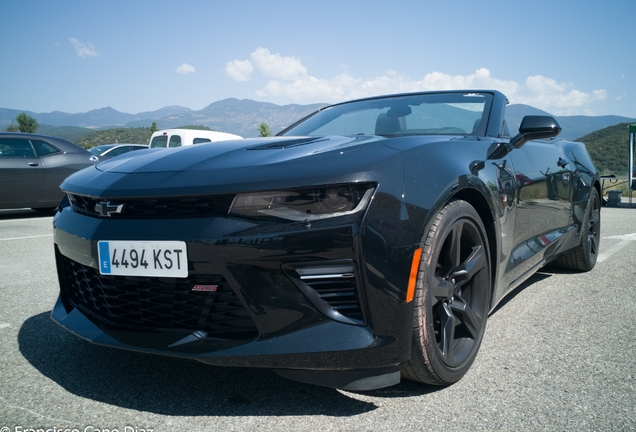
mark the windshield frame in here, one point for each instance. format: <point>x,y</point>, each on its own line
<point>398,108</point>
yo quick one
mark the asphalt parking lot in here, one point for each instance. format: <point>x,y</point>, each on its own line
<point>559,354</point>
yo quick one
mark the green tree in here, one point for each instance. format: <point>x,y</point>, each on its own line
<point>153,128</point>
<point>263,129</point>
<point>26,123</point>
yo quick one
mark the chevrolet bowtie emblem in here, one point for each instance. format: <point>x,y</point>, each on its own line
<point>105,208</point>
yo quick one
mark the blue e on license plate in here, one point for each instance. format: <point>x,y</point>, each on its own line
<point>143,258</point>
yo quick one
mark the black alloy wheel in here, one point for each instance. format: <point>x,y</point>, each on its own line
<point>583,257</point>
<point>452,297</point>
<point>594,228</point>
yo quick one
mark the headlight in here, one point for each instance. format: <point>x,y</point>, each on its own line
<point>304,204</point>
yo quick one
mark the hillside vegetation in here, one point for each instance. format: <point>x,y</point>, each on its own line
<point>609,149</point>
<point>87,138</point>
<point>112,136</point>
<point>70,133</point>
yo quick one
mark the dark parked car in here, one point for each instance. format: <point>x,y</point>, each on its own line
<point>108,151</point>
<point>33,166</point>
<point>366,242</point>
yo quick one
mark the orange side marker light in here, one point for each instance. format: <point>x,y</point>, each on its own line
<point>415,268</point>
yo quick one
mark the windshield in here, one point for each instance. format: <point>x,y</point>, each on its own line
<point>451,113</point>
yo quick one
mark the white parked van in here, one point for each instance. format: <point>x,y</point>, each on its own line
<point>182,137</point>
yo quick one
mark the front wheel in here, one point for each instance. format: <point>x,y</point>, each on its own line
<point>452,297</point>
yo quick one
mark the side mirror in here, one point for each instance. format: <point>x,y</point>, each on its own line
<point>535,127</point>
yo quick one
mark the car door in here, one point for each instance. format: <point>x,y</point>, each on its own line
<point>56,165</point>
<point>542,203</point>
<point>21,173</point>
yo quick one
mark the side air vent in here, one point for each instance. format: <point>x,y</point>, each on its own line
<point>331,286</point>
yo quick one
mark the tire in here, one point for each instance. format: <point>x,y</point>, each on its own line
<point>583,257</point>
<point>452,297</point>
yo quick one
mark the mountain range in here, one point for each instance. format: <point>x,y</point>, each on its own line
<point>242,117</point>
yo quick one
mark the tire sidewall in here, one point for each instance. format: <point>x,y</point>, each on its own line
<point>591,258</point>
<point>452,213</point>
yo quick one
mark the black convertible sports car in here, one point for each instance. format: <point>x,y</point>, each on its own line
<point>368,241</point>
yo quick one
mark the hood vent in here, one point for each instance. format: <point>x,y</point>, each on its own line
<point>283,143</point>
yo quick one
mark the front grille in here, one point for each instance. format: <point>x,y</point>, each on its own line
<point>159,303</point>
<point>152,208</point>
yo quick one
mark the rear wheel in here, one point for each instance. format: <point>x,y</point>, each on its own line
<point>452,297</point>
<point>583,257</point>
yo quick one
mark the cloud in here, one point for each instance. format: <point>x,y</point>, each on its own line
<point>271,65</point>
<point>291,80</point>
<point>84,50</point>
<point>186,69</point>
<point>393,82</point>
<point>239,70</point>
<point>312,89</point>
<point>277,66</point>
<point>556,98</point>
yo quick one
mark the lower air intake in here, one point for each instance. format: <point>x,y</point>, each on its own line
<point>331,286</point>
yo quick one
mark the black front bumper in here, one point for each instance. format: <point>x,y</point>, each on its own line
<point>261,316</point>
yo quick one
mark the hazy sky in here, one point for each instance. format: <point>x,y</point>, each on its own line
<point>565,57</point>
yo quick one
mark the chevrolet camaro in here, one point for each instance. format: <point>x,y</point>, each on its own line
<point>367,242</point>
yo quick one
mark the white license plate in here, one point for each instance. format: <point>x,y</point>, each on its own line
<point>143,258</point>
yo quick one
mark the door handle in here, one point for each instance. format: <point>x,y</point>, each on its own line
<point>33,164</point>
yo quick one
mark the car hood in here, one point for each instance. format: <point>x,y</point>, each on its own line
<point>233,154</point>
<point>240,165</point>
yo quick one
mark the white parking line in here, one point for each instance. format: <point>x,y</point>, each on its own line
<point>26,237</point>
<point>4,325</point>
<point>8,221</point>
<point>624,241</point>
